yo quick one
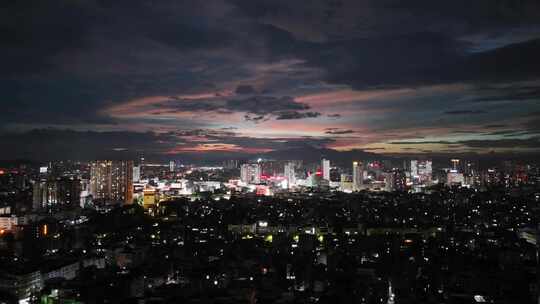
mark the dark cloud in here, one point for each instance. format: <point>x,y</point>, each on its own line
<point>504,143</point>
<point>190,106</point>
<point>64,61</point>
<point>464,132</point>
<point>50,144</point>
<point>287,115</point>
<point>465,112</point>
<point>430,46</point>
<point>482,143</point>
<point>337,131</point>
<point>207,133</point>
<point>244,89</point>
<point>255,118</point>
<point>248,142</point>
<point>33,31</point>
<point>533,123</point>
<point>264,105</point>
<point>495,126</point>
<point>324,20</point>
<point>421,142</point>
<point>427,58</point>
<point>510,92</point>
<point>258,108</point>
<point>68,62</point>
<point>503,132</point>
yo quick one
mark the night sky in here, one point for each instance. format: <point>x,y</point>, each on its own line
<point>88,78</point>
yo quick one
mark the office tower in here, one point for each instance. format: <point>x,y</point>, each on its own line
<point>149,197</point>
<point>389,181</point>
<point>136,173</point>
<point>68,192</point>
<point>230,164</point>
<point>250,173</point>
<point>44,194</point>
<point>270,168</point>
<point>172,166</point>
<point>325,168</point>
<point>61,192</point>
<point>421,171</point>
<point>289,172</point>
<point>358,176</point>
<point>470,168</point>
<point>346,183</point>
<point>112,181</point>
<point>414,168</point>
<point>395,180</point>
<point>313,180</point>
<point>455,164</point>
<point>454,178</point>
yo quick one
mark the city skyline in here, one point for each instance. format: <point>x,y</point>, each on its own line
<point>269,151</point>
<point>174,79</point>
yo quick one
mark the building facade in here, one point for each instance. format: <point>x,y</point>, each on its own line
<point>290,174</point>
<point>250,173</point>
<point>358,176</point>
<point>325,168</point>
<point>112,181</point>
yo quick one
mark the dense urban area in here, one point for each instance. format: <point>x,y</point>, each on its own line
<point>266,231</point>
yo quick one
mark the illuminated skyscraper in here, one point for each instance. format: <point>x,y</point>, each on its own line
<point>421,171</point>
<point>455,164</point>
<point>68,191</point>
<point>358,176</point>
<point>61,192</point>
<point>112,181</point>
<point>136,173</point>
<point>346,184</point>
<point>325,168</point>
<point>250,173</point>
<point>454,178</point>
<point>44,194</point>
<point>230,164</point>
<point>395,180</point>
<point>289,172</point>
<point>172,166</point>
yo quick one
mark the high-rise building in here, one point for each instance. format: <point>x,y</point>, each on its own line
<point>230,164</point>
<point>325,168</point>
<point>112,181</point>
<point>61,192</point>
<point>250,173</point>
<point>389,181</point>
<point>358,176</point>
<point>313,180</point>
<point>290,174</point>
<point>421,171</point>
<point>44,194</point>
<point>136,173</point>
<point>346,183</point>
<point>455,164</point>
<point>454,178</point>
<point>395,180</point>
<point>149,197</point>
<point>68,191</point>
<point>172,166</point>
